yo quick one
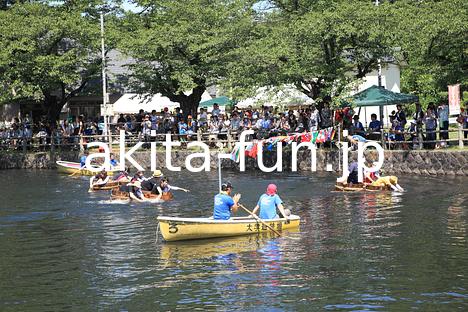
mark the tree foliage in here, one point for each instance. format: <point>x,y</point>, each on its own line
<point>321,47</point>
<point>433,37</point>
<point>184,46</point>
<point>48,53</point>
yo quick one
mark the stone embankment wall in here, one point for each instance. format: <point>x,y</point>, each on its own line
<point>440,162</point>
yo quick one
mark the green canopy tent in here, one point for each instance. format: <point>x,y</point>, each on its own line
<point>221,101</point>
<point>378,96</point>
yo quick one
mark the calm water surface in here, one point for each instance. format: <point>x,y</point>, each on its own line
<point>65,249</point>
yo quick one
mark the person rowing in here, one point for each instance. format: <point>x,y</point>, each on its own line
<point>134,191</point>
<point>83,159</point>
<point>224,204</point>
<point>158,185</point>
<point>269,202</point>
<point>122,176</point>
<point>139,176</point>
<point>166,187</point>
<point>375,179</point>
<point>99,179</point>
<point>151,184</point>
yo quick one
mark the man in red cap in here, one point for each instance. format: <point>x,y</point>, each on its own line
<point>268,203</point>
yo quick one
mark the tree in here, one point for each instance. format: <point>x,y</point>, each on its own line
<point>47,53</point>
<point>433,36</point>
<point>321,47</point>
<point>181,46</point>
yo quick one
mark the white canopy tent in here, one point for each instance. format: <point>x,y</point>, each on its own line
<point>131,103</point>
<point>282,97</point>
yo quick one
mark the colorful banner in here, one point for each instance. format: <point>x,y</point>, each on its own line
<point>454,99</point>
<point>251,151</point>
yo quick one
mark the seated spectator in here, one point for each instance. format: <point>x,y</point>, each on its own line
<point>356,126</point>
<point>374,129</point>
<point>235,121</point>
<point>214,124</point>
<point>246,124</point>
<point>191,125</point>
<point>203,120</point>
<point>182,126</point>
<point>216,111</point>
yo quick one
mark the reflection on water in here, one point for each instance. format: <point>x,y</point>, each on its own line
<point>64,248</point>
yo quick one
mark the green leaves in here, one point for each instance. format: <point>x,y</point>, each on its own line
<point>433,37</point>
<point>46,50</point>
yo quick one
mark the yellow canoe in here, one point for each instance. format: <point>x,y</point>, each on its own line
<point>70,167</point>
<point>174,229</point>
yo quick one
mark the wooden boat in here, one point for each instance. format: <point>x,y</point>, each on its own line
<point>109,185</point>
<point>70,167</point>
<point>119,195</point>
<point>360,187</point>
<point>174,229</point>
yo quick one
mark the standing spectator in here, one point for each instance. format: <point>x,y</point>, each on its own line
<point>314,119</point>
<point>400,115</point>
<point>443,112</point>
<point>224,126</point>
<point>154,120</point>
<point>146,128</point>
<point>284,125</point>
<point>179,115</point>
<point>430,121</point>
<point>139,120</point>
<point>292,121</point>
<point>121,121</point>
<point>463,120</point>
<point>128,124</point>
<point>326,117</point>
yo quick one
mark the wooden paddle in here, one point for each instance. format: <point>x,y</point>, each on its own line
<point>79,170</point>
<point>258,219</point>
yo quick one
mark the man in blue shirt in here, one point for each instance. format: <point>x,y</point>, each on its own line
<point>224,204</point>
<point>83,159</point>
<point>268,203</point>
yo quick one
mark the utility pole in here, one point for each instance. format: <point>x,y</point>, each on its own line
<point>106,129</point>
<point>379,81</point>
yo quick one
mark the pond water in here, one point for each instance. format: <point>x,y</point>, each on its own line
<point>63,248</point>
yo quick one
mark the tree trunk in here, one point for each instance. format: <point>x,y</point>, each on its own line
<point>189,103</point>
<point>53,108</point>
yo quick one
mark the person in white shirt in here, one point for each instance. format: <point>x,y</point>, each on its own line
<point>443,112</point>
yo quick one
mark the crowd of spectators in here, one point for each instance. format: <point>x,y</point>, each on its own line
<point>266,121</point>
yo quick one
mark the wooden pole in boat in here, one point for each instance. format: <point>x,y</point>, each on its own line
<point>78,170</point>
<point>219,173</point>
<point>258,219</point>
